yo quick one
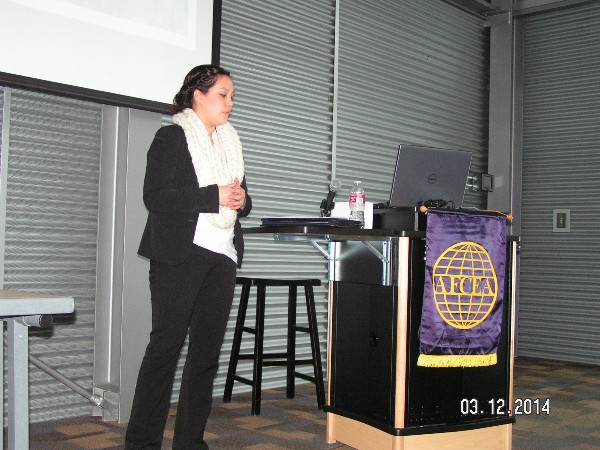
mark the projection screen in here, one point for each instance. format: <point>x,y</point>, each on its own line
<point>120,52</point>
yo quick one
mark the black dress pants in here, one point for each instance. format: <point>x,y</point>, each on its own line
<point>196,296</point>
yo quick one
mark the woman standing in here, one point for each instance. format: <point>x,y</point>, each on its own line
<point>195,191</point>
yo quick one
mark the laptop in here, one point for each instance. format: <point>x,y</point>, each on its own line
<point>425,174</point>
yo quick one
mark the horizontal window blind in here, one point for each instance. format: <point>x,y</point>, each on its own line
<point>559,312</point>
<point>413,72</point>
<point>50,235</point>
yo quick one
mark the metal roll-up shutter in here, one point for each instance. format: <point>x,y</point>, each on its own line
<point>413,72</point>
<point>1,117</point>
<point>559,312</point>
<point>50,236</point>
<point>280,54</point>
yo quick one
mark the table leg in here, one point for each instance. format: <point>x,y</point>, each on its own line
<point>18,385</point>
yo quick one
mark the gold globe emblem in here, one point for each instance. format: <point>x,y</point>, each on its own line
<point>465,286</point>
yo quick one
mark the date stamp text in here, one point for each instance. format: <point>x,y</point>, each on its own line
<point>501,407</point>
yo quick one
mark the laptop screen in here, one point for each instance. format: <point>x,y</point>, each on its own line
<point>426,173</point>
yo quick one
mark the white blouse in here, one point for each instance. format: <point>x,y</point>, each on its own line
<point>211,237</point>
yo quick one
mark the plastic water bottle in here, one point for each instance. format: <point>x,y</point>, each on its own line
<point>357,203</point>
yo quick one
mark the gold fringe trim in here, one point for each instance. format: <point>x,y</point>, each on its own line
<point>457,360</point>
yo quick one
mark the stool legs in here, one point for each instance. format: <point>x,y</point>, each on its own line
<point>289,357</point>
<point>237,342</point>
<point>314,344</point>
<point>258,349</point>
<point>291,342</point>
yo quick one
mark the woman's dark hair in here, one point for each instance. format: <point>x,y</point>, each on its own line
<point>200,77</point>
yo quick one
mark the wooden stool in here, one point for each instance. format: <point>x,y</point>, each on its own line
<point>275,359</point>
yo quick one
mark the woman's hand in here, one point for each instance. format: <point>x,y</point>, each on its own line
<point>232,195</point>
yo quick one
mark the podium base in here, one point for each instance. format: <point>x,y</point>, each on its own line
<point>365,437</point>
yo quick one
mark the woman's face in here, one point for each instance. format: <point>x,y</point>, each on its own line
<point>214,107</point>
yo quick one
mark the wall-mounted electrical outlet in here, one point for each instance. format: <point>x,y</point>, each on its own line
<point>561,220</point>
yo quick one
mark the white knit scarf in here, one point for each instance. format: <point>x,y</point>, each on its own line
<point>210,168</point>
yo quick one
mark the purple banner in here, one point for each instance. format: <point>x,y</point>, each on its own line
<point>464,289</point>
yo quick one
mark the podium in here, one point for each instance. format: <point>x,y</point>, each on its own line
<point>377,396</point>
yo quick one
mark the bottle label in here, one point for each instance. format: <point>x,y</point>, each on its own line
<point>359,199</point>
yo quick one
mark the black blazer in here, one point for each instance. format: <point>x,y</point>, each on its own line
<point>174,200</point>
